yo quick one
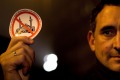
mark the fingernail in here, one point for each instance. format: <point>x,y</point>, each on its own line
<point>31,40</point>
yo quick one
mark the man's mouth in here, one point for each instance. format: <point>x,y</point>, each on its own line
<point>116,58</point>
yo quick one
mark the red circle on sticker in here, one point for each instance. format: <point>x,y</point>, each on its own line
<point>25,22</point>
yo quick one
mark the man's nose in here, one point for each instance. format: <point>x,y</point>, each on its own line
<point>117,42</point>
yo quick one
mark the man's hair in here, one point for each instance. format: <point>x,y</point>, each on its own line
<point>97,10</point>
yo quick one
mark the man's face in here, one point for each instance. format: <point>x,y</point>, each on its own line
<point>105,41</point>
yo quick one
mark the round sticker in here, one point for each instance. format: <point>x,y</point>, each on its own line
<point>25,22</point>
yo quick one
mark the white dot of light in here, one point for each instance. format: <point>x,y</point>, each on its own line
<point>52,57</point>
<point>49,66</point>
<point>50,62</point>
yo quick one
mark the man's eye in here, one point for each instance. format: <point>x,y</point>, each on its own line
<point>109,33</point>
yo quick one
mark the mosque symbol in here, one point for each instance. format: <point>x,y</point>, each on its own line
<point>21,29</point>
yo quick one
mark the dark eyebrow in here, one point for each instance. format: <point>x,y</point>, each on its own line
<point>107,27</point>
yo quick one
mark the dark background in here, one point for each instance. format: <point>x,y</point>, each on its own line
<point>64,33</point>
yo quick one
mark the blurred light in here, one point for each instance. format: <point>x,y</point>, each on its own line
<point>49,66</point>
<point>50,62</point>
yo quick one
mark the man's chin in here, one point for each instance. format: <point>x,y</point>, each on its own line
<point>115,67</point>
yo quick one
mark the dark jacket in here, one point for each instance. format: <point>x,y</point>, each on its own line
<point>99,72</point>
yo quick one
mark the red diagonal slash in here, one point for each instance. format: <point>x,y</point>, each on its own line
<point>26,27</point>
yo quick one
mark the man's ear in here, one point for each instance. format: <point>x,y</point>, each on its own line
<point>91,40</point>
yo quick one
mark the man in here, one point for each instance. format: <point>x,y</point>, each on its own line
<point>104,40</point>
<point>17,60</point>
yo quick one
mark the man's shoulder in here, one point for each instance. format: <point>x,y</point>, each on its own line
<point>93,73</point>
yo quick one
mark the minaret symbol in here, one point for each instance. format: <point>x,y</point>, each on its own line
<point>19,23</point>
<point>30,21</point>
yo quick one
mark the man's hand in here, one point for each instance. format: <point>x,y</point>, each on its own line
<point>18,59</point>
